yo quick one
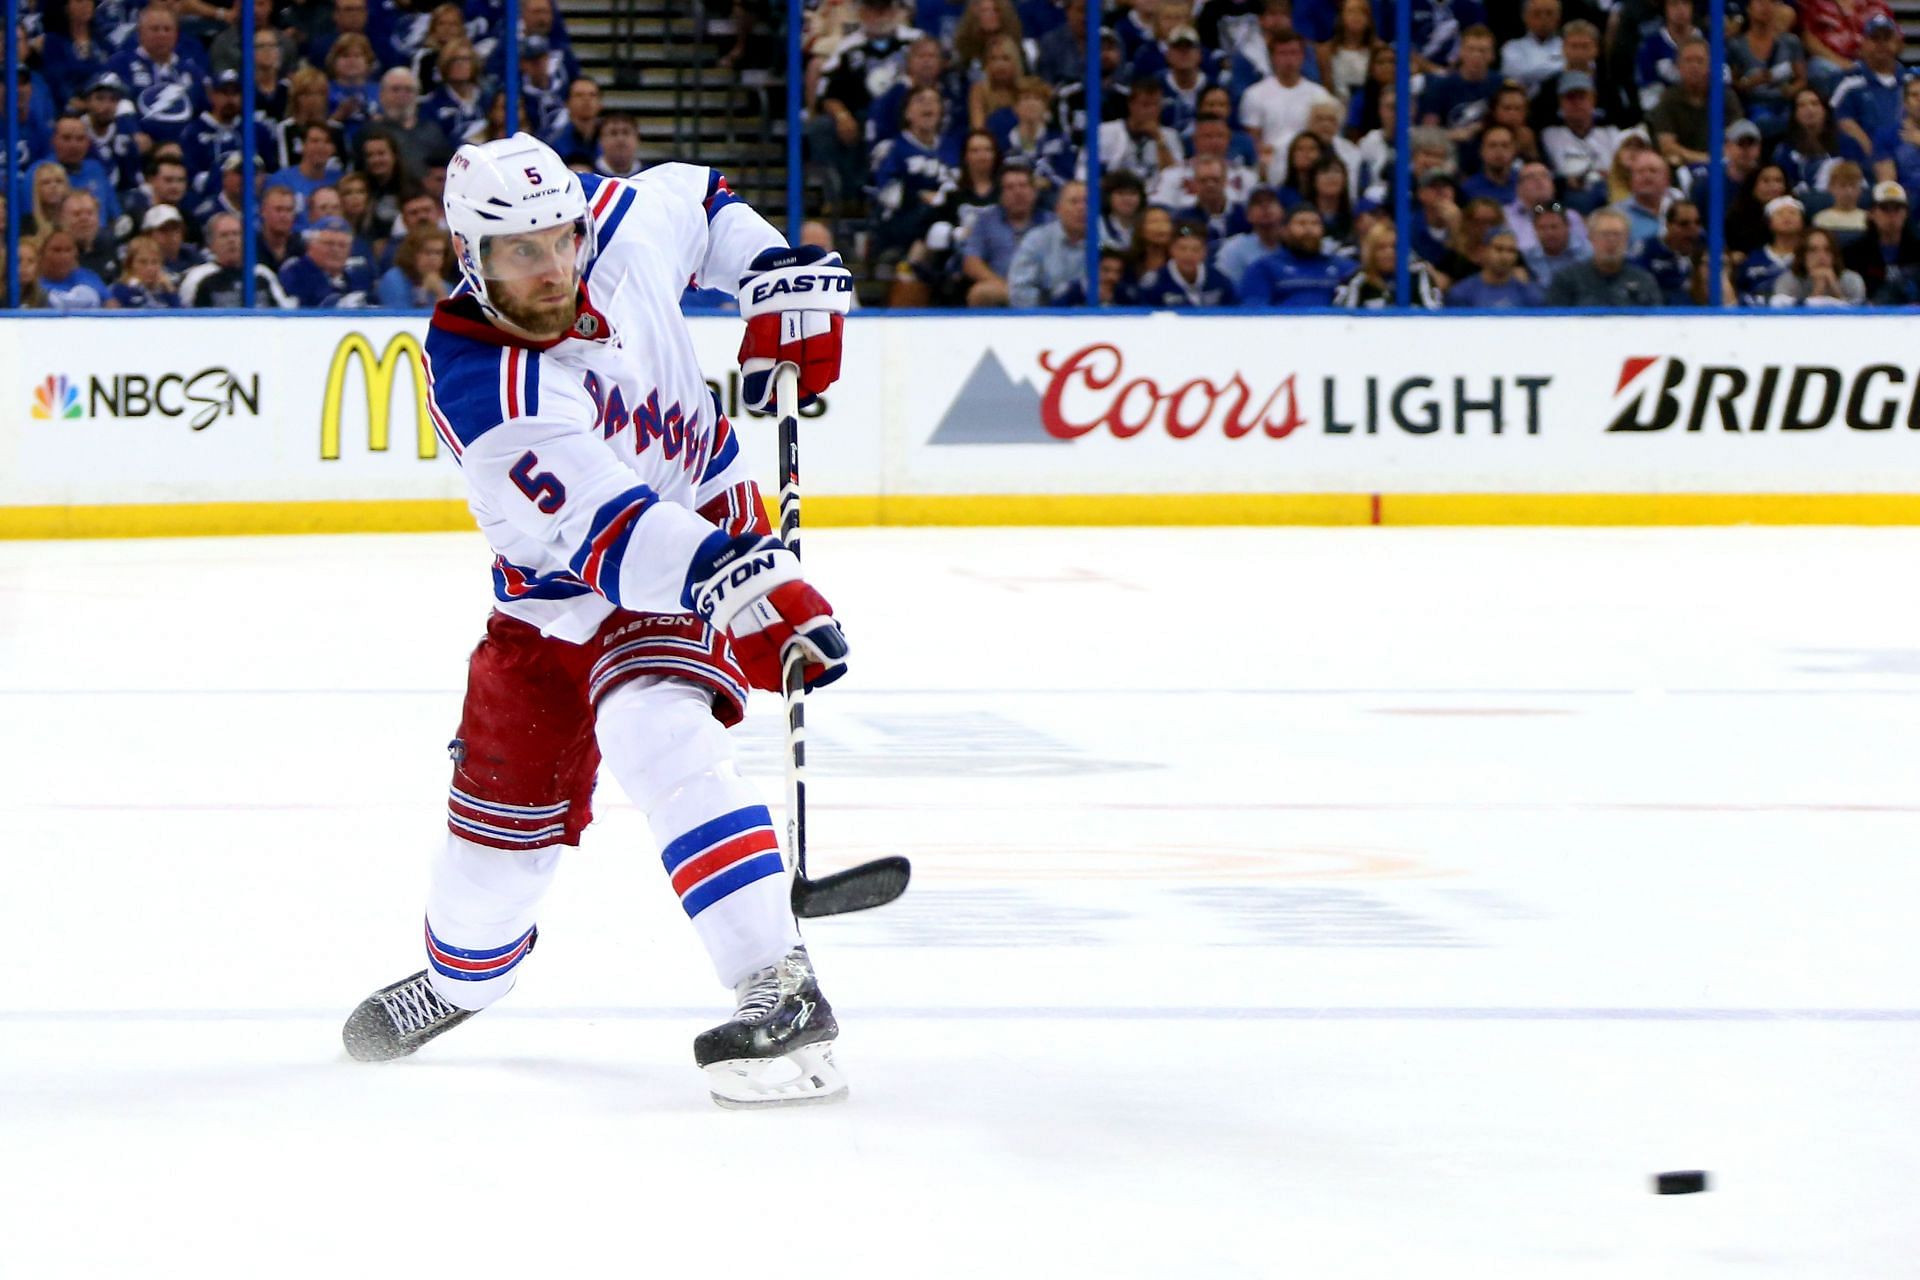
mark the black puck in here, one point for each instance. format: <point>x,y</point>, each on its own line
<point>1681,1182</point>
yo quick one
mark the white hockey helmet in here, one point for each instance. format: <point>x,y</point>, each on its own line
<point>505,187</point>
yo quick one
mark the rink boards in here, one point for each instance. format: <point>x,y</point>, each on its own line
<point>131,425</point>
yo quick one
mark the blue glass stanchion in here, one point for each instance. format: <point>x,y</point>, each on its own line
<point>13,165</point>
<point>1402,152</point>
<point>1090,98</point>
<point>249,74</point>
<point>1715,208</point>
<point>511,40</point>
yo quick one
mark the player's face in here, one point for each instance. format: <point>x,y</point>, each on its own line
<point>532,278</point>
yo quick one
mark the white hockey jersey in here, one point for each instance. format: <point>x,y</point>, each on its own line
<point>588,458</point>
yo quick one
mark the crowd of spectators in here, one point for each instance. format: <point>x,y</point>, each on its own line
<point>1558,154</point>
<point>129,171</point>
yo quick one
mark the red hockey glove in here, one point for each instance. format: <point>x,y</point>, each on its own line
<point>795,303</point>
<point>750,587</point>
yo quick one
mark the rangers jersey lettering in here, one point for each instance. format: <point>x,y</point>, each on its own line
<point>588,458</point>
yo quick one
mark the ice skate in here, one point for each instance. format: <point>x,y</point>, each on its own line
<point>778,1048</point>
<point>394,1021</point>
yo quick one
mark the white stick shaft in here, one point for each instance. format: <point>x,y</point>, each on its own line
<point>786,399</point>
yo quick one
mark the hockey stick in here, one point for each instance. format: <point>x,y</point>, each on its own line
<point>871,884</point>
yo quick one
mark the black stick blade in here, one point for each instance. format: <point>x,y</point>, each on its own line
<point>872,884</point>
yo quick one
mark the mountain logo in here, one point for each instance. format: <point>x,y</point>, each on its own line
<point>55,397</point>
<point>991,408</point>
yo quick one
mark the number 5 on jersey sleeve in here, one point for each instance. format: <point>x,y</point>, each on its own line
<point>545,489</point>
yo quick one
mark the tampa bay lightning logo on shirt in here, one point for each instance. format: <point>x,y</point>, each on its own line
<point>410,31</point>
<point>166,103</point>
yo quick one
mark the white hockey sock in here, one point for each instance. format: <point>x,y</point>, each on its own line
<point>480,911</point>
<point>673,759</point>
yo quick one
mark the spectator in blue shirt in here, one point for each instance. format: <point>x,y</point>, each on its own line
<point>1459,102</point>
<point>33,133</point>
<point>1034,139</point>
<point>1496,288</point>
<point>996,234</point>
<point>112,135</point>
<point>575,133</point>
<point>68,286</point>
<point>73,150</point>
<point>1754,281</point>
<point>1866,104</point>
<point>1669,258</point>
<point>1186,280</point>
<point>1551,249</point>
<point>418,277</point>
<point>1188,74</point>
<point>317,168</point>
<point>145,285</point>
<point>911,171</point>
<point>163,74</point>
<point>1811,146</point>
<point>321,278</point>
<point>166,183</point>
<point>458,106</point>
<point>1499,176</point>
<point>71,53</point>
<point>1440,29</point>
<point>1656,67</point>
<point>1906,150</point>
<point>215,133</point>
<point>1298,274</point>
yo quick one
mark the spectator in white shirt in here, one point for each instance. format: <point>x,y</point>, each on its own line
<point>1140,144</point>
<point>1579,149</point>
<point>1279,106</point>
<point>1535,56</point>
<point>1212,136</point>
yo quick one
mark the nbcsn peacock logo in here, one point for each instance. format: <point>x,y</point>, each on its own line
<point>55,397</point>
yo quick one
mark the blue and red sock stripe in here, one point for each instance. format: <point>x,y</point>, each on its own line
<point>597,562</point>
<point>718,857</point>
<point>466,964</point>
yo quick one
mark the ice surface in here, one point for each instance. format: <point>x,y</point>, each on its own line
<point>1339,903</point>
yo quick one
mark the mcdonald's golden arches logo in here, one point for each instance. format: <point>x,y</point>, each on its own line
<point>378,372</point>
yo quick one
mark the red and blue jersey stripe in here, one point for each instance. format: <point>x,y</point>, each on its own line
<point>475,379</point>
<point>597,562</point>
<point>608,202</point>
<point>719,194</point>
<point>718,857</point>
<point>518,582</point>
<point>726,447</point>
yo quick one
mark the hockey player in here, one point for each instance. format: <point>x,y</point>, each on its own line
<point>638,594</point>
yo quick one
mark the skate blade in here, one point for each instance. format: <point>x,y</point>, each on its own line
<point>807,1076</point>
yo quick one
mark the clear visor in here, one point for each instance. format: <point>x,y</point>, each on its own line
<point>535,255</point>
